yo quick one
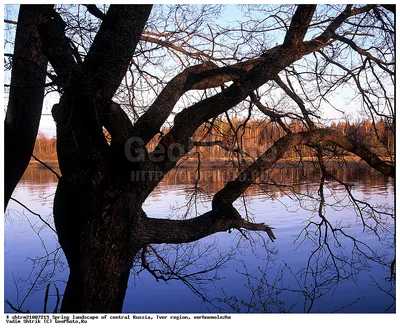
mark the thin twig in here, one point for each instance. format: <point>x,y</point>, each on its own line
<point>58,299</point>
<point>14,308</point>
<point>46,298</point>
<point>34,213</point>
<point>9,21</point>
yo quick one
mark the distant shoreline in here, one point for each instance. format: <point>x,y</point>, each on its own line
<point>220,163</point>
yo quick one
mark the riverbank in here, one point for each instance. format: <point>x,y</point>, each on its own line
<point>226,163</point>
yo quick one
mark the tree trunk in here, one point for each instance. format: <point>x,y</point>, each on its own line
<point>25,102</point>
<point>96,232</point>
<point>96,212</point>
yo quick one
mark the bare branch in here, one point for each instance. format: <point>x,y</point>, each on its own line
<point>113,47</point>
<point>361,51</point>
<point>95,11</point>
<point>268,64</point>
<point>333,26</point>
<point>222,146</point>
<point>270,113</point>
<point>149,124</point>
<point>9,21</point>
<point>46,298</point>
<point>263,69</point>
<point>58,50</point>
<point>391,8</point>
<point>57,301</point>
<point>299,25</point>
<point>15,308</point>
<point>116,121</point>
<point>298,100</point>
<point>47,166</point>
<point>184,231</point>
<point>34,213</point>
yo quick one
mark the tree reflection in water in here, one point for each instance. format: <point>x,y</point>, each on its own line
<point>343,232</point>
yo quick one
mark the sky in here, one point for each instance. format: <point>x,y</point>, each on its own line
<point>231,13</point>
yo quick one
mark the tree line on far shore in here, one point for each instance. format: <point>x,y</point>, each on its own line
<point>252,137</point>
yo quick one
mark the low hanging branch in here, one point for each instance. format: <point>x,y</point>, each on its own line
<point>184,231</point>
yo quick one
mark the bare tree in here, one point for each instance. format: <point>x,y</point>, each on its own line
<point>98,212</point>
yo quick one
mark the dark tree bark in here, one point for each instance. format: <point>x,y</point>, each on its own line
<point>95,211</point>
<point>99,237</point>
<point>25,102</point>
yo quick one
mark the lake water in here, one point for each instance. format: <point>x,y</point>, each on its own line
<point>304,270</point>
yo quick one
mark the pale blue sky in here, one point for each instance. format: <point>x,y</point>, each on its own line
<point>231,13</point>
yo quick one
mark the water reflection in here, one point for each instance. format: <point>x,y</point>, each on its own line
<point>349,274</point>
<point>213,180</point>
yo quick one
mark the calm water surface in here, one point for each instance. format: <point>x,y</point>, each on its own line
<point>304,270</point>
